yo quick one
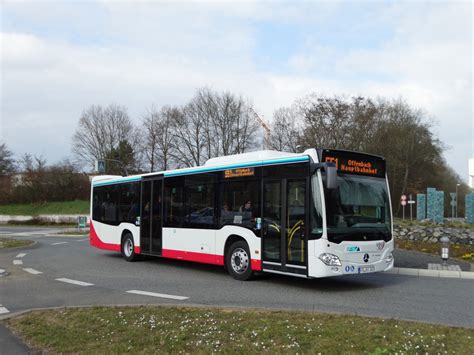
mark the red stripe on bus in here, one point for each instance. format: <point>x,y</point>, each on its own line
<point>204,258</point>
<point>256,265</point>
<point>96,242</point>
<point>192,256</point>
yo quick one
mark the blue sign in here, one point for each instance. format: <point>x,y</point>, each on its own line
<point>101,166</point>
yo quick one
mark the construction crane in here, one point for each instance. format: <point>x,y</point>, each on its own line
<point>266,128</point>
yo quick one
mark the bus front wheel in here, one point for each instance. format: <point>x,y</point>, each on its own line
<point>128,248</point>
<point>238,261</point>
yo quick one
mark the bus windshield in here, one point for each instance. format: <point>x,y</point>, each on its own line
<point>358,209</point>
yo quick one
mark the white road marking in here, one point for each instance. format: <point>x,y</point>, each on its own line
<point>32,271</point>
<point>3,310</point>
<point>75,282</point>
<point>160,295</point>
<point>82,240</point>
<point>58,243</point>
<point>17,262</point>
<point>21,255</point>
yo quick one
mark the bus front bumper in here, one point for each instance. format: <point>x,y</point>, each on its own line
<point>320,269</point>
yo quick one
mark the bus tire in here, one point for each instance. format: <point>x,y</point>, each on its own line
<point>128,248</point>
<point>238,261</point>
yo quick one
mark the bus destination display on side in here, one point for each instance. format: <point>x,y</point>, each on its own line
<point>351,163</point>
<point>233,173</point>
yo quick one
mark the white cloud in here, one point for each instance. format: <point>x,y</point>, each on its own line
<point>56,63</point>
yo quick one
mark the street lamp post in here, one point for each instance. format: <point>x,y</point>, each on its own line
<point>457,185</point>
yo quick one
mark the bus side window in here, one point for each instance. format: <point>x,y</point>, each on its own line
<point>174,202</point>
<point>129,202</point>
<point>200,205</point>
<point>240,203</point>
<point>110,204</point>
<point>97,204</point>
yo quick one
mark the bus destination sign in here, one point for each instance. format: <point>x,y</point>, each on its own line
<point>354,163</point>
<point>241,172</point>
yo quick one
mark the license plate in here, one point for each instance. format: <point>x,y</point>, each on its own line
<point>364,269</point>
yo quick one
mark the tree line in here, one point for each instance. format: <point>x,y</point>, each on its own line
<point>221,123</point>
<point>211,124</point>
<point>31,180</point>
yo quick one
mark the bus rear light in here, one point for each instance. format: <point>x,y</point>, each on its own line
<point>330,259</point>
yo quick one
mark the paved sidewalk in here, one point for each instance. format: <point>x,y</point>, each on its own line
<point>418,260</point>
<point>10,344</point>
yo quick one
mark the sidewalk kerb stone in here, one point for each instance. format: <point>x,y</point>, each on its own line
<point>429,273</point>
<point>408,271</point>
<point>454,274</point>
<point>467,275</point>
<point>393,271</point>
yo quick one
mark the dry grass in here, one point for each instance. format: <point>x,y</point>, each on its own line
<point>13,243</point>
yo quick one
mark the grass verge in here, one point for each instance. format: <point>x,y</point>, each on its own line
<point>460,251</point>
<point>6,243</point>
<point>66,207</point>
<point>198,330</point>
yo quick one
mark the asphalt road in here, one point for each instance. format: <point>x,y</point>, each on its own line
<point>101,277</point>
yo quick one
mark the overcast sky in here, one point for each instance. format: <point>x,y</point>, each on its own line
<point>58,58</point>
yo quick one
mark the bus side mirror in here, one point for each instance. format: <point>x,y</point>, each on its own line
<point>331,177</point>
<point>331,173</point>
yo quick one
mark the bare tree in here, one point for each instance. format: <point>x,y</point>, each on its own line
<point>159,137</point>
<point>211,125</point>
<point>190,134</point>
<point>285,134</point>
<point>393,129</point>
<point>102,132</point>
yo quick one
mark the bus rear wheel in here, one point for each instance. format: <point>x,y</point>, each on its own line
<point>238,261</point>
<point>128,248</point>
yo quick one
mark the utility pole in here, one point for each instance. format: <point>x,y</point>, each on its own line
<point>457,185</point>
<point>266,128</point>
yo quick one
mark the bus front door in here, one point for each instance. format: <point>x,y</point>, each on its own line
<point>151,216</point>
<point>284,217</point>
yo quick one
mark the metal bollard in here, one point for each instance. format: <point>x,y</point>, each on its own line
<point>444,249</point>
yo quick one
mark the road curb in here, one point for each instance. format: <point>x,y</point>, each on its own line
<point>432,273</point>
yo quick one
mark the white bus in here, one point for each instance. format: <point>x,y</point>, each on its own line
<point>315,214</point>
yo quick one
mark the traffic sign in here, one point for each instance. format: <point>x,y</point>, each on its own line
<point>100,166</point>
<point>403,198</point>
<point>411,202</point>
<point>403,202</point>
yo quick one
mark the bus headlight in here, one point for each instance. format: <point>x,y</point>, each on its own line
<point>389,257</point>
<point>330,259</point>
